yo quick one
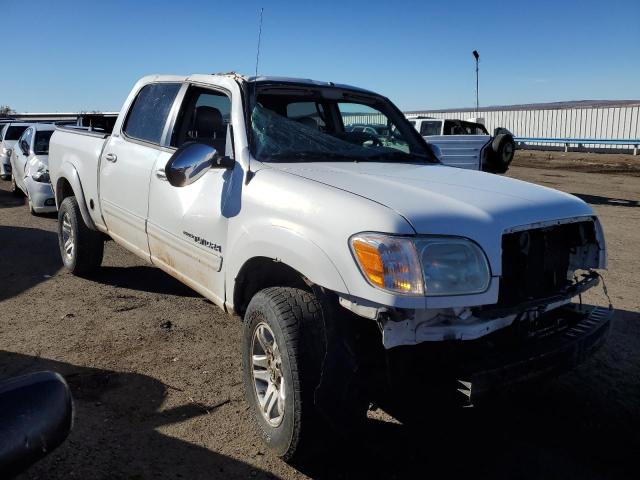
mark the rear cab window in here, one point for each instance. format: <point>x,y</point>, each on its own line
<point>430,128</point>
<point>148,113</point>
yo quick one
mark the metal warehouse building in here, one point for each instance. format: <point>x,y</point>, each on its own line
<point>565,121</point>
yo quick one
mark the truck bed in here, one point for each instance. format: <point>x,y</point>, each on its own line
<point>79,148</point>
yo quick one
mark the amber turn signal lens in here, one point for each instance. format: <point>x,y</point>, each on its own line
<point>388,262</point>
<point>370,261</point>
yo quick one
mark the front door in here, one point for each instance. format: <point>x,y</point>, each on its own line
<point>187,226</point>
<point>127,162</point>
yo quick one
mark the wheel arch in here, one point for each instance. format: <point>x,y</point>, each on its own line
<point>277,257</point>
<point>68,184</point>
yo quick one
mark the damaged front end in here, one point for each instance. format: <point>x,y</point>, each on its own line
<point>544,266</point>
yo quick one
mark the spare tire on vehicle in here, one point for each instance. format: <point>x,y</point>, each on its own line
<point>501,153</point>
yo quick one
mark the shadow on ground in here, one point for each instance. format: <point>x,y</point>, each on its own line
<point>115,433</point>
<point>615,202</point>
<point>28,257</point>
<point>585,424</point>
<point>142,278</point>
<point>9,200</point>
<point>31,256</point>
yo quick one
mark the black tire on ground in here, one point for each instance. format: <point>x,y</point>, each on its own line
<point>294,317</point>
<point>5,177</point>
<point>502,150</point>
<point>81,248</point>
<point>15,190</point>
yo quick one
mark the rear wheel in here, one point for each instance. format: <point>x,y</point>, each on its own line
<point>81,248</point>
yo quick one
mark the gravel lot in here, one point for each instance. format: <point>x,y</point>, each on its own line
<point>156,372</point>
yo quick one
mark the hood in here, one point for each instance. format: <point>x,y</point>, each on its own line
<point>441,200</point>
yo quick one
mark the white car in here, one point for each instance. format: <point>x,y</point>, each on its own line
<point>364,272</point>
<point>30,168</point>
<point>9,135</point>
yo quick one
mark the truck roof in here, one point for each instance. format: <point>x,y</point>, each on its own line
<point>205,78</point>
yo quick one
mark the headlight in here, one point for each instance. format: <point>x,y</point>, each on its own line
<point>452,266</point>
<point>390,263</point>
<point>40,173</point>
<point>421,266</point>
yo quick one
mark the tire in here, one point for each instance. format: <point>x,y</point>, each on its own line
<point>81,248</point>
<point>15,190</point>
<point>502,150</point>
<point>290,323</point>
<point>5,177</point>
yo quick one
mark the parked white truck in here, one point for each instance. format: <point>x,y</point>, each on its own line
<point>363,272</point>
<point>467,143</point>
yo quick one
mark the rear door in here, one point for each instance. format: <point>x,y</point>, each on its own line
<point>127,161</point>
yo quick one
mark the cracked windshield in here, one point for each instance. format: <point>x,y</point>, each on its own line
<point>288,129</point>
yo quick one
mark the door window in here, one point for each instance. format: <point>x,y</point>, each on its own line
<point>148,114</point>
<point>41,144</point>
<point>203,118</point>
<point>26,137</point>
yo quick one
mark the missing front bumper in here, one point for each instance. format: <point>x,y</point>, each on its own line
<point>549,355</point>
<point>464,372</point>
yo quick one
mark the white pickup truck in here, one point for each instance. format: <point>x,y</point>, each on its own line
<point>363,272</point>
<point>467,143</point>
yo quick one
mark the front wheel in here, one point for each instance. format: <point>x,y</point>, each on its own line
<point>80,247</point>
<point>15,190</point>
<point>5,177</point>
<point>283,349</point>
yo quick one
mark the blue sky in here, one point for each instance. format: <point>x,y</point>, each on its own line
<point>69,55</point>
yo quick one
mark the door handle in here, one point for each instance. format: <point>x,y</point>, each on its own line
<point>161,174</point>
<point>111,157</point>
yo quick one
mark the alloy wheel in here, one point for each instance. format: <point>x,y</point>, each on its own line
<point>68,238</point>
<point>266,370</point>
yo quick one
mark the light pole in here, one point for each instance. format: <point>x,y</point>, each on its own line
<point>476,55</point>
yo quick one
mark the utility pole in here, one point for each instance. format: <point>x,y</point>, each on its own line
<point>476,55</point>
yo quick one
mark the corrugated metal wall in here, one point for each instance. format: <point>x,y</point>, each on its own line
<point>373,119</point>
<point>612,123</point>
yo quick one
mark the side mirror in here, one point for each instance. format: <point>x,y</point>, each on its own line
<point>24,146</point>
<point>435,150</point>
<point>191,161</point>
<point>36,415</point>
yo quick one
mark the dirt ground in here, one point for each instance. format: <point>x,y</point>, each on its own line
<point>156,372</point>
<point>609,163</point>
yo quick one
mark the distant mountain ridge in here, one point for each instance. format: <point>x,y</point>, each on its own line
<point>540,106</point>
